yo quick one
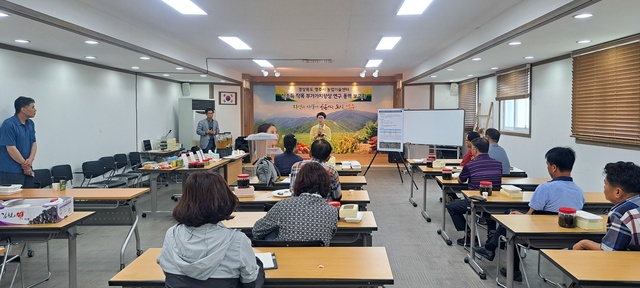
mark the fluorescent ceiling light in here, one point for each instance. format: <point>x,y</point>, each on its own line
<point>135,67</point>
<point>387,43</point>
<point>583,41</point>
<point>373,63</point>
<point>21,41</point>
<point>434,76</point>
<point>166,75</point>
<point>469,75</point>
<point>145,58</point>
<point>476,59</point>
<point>495,68</point>
<point>515,43</point>
<point>235,42</point>
<point>90,57</point>
<point>582,16</point>
<point>203,75</point>
<point>263,63</point>
<point>186,7</point>
<point>528,57</point>
<point>179,68</point>
<point>413,7</point>
<point>92,42</point>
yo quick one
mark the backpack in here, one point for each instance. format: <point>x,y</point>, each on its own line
<point>266,171</point>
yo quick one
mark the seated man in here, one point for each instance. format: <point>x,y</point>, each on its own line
<point>548,197</point>
<point>483,168</point>
<point>320,152</point>
<point>469,155</point>
<point>496,151</point>
<point>621,187</point>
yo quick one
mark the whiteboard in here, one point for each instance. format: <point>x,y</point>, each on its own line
<point>434,127</point>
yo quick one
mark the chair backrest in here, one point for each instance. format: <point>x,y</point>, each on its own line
<point>147,145</point>
<point>109,164</point>
<point>135,159</point>
<point>121,160</point>
<point>269,243</point>
<point>42,178</point>
<point>92,169</point>
<point>61,172</point>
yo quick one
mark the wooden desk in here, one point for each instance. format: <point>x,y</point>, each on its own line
<point>111,206</point>
<point>297,267</point>
<point>498,203</point>
<point>260,198</point>
<point>346,183</point>
<point>67,228</point>
<point>349,171</point>
<point>597,268</point>
<point>541,231</point>
<point>348,234</point>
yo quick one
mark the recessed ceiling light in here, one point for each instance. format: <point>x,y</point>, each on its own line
<point>179,68</point>
<point>476,59</point>
<point>222,81</point>
<point>90,57</point>
<point>235,42</point>
<point>2,14</point>
<point>583,41</point>
<point>451,80</point>
<point>203,75</point>
<point>495,68</point>
<point>582,16</point>
<point>92,42</point>
<point>413,7</point>
<point>387,43</point>
<point>263,63</point>
<point>450,69</point>
<point>434,76</point>
<point>21,41</point>
<point>514,43</point>
<point>185,7</point>
<point>528,57</point>
<point>373,63</point>
<point>166,75</point>
<point>145,57</point>
<point>135,67</point>
<point>469,75</point>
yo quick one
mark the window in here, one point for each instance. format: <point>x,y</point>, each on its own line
<point>467,100</point>
<point>606,94</point>
<point>513,94</point>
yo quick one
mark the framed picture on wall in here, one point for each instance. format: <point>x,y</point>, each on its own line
<point>227,98</point>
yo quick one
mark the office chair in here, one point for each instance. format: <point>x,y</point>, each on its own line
<point>93,169</point>
<point>42,178</point>
<point>62,172</point>
<point>111,169</point>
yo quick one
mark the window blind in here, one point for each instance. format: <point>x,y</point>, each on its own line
<point>606,96</point>
<point>514,84</point>
<point>467,100</point>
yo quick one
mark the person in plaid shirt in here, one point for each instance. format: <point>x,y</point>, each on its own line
<point>622,188</point>
<point>320,153</point>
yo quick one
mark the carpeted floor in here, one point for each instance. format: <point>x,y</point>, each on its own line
<point>418,256</point>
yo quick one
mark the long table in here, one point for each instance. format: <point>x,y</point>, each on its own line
<point>260,198</point>
<point>415,165</point>
<point>297,267</point>
<point>44,232</point>
<point>541,231</point>
<point>348,171</point>
<point>348,234</point>
<point>346,183</point>
<point>597,268</point>
<point>112,207</point>
<point>528,184</point>
<point>498,203</point>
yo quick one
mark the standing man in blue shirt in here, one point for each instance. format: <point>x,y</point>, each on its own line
<point>18,144</point>
<point>496,151</point>
<point>207,129</point>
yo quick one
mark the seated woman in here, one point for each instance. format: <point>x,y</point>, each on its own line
<point>285,160</point>
<point>199,251</point>
<point>306,217</point>
<point>269,129</point>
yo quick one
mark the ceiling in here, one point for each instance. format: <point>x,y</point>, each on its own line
<point>286,32</point>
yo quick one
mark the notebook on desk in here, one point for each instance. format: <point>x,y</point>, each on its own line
<point>268,260</point>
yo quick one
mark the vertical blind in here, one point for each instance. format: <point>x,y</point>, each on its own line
<point>514,84</point>
<point>606,96</point>
<point>467,100</point>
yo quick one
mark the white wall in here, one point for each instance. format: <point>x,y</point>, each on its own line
<point>551,126</point>
<point>443,99</point>
<point>85,113</point>
<point>417,97</point>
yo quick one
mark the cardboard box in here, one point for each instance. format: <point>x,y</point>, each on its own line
<point>35,211</point>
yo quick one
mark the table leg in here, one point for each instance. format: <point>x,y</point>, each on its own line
<point>511,250</point>
<point>153,180</point>
<point>411,195</point>
<point>132,230</point>
<point>72,234</point>
<point>470,258</point>
<point>442,232</point>
<point>368,241</point>
<point>425,215</point>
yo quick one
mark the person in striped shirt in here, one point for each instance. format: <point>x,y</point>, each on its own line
<point>482,168</point>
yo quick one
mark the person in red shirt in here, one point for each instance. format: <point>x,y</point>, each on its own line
<point>469,156</point>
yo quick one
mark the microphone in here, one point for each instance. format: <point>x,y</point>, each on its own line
<point>165,136</point>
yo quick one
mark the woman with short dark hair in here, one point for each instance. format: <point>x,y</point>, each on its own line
<point>199,251</point>
<point>285,160</point>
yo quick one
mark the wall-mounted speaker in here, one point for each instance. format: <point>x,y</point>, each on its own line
<point>453,90</point>
<point>186,89</point>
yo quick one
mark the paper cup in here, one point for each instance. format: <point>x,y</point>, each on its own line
<point>55,186</point>
<point>485,195</point>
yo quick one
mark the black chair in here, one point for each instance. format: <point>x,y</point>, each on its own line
<point>111,169</point>
<point>42,178</point>
<point>135,162</point>
<point>62,172</point>
<point>93,169</point>
<point>268,243</point>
